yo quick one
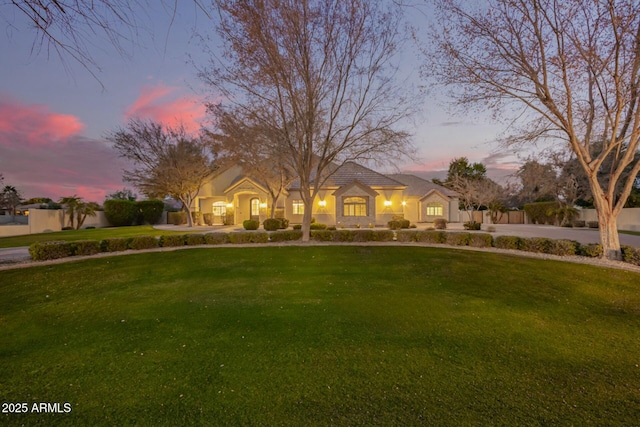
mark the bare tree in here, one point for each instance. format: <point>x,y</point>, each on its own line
<point>319,75</point>
<point>255,148</point>
<point>167,162</point>
<point>570,69</point>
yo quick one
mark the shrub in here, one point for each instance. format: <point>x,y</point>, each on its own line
<point>120,212</point>
<point>472,225</point>
<point>542,212</point>
<point>216,238</point>
<point>431,236</point>
<point>579,223</point>
<point>208,218</point>
<point>172,240</point>
<point>382,235</point>
<point>563,247</point>
<point>67,228</point>
<point>250,224</point>
<point>630,254</point>
<point>143,242</point>
<point>194,239</point>
<point>297,227</point>
<point>491,229</point>
<point>43,251</point>
<point>86,247</point>
<point>284,223</point>
<point>150,210</point>
<point>458,239</point>
<point>285,235</point>
<point>407,236</point>
<point>244,237</point>
<point>177,218</point>
<point>567,225</point>
<point>331,228</point>
<point>344,235</point>
<point>114,244</point>
<point>440,224</point>
<point>272,224</point>
<point>507,242</point>
<point>593,224</point>
<point>196,217</point>
<point>322,235</point>
<point>394,225</point>
<point>318,226</point>
<point>536,244</point>
<point>481,240</point>
<point>592,250</point>
<point>397,224</point>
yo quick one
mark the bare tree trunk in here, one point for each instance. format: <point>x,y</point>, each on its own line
<point>608,227</point>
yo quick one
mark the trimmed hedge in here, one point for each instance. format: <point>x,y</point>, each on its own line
<point>472,225</point>
<point>407,235</point>
<point>322,235</point>
<point>480,240</point>
<point>56,249</point>
<point>536,244</point>
<point>564,247</point>
<point>398,224</point>
<point>143,242</point>
<point>172,240</point>
<point>86,247</point>
<point>631,255</point>
<point>115,244</point>
<point>285,235</point>
<point>432,236</point>
<point>507,242</point>
<point>592,250</point>
<point>120,213</point>
<point>245,237</point>
<point>317,226</point>
<point>194,239</point>
<point>458,239</point>
<point>216,238</point>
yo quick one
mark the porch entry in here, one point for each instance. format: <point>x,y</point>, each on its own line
<point>219,212</point>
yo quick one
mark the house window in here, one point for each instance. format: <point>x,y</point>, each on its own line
<point>219,209</point>
<point>434,209</point>
<point>354,206</point>
<point>255,207</point>
<point>298,207</point>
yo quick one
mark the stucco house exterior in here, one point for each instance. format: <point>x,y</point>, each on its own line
<point>353,195</point>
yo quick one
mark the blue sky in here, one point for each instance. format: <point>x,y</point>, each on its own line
<point>54,115</point>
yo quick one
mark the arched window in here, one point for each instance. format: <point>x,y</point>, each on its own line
<point>219,209</point>
<point>434,209</point>
<point>354,206</point>
<point>255,207</point>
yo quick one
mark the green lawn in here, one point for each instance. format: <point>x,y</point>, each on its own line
<point>340,335</point>
<point>91,234</point>
<point>633,233</point>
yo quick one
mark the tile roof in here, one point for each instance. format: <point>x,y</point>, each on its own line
<point>350,172</point>
<point>417,186</point>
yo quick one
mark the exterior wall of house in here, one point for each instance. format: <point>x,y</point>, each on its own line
<point>385,213</point>
<point>353,221</point>
<point>435,199</point>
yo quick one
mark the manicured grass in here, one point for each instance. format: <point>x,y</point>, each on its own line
<point>339,335</point>
<point>633,233</point>
<point>91,234</point>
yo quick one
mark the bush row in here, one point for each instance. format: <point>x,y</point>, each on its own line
<point>59,249</point>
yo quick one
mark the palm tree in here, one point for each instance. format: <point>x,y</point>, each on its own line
<point>71,205</point>
<point>83,210</point>
<point>10,198</point>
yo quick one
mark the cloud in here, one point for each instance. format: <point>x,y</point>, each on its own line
<point>35,124</point>
<point>43,154</point>
<point>164,104</point>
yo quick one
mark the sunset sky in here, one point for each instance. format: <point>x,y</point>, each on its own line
<point>54,115</point>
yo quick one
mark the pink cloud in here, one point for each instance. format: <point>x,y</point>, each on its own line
<point>35,124</point>
<point>164,104</point>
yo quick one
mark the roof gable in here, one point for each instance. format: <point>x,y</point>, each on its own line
<point>355,184</point>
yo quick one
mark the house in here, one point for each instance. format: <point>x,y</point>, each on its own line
<point>353,195</point>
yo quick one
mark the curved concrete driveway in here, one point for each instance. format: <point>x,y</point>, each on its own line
<point>582,235</point>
